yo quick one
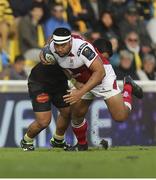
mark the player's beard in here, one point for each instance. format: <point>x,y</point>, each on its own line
<point>65,54</point>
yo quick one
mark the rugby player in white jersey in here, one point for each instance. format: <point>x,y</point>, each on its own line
<point>92,69</point>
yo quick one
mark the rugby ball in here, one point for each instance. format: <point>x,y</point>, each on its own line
<point>48,56</point>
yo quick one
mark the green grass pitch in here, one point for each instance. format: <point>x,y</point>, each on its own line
<point>116,162</point>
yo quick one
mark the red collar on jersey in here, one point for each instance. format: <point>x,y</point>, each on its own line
<point>71,54</point>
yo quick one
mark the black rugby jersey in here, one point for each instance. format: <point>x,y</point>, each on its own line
<point>51,77</point>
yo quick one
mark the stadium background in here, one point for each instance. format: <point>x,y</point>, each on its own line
<point>139,129</point>
<point>91,19</point>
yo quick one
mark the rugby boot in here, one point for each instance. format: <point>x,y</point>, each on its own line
<point>58,143</point>
<point>27,146</point>
<point>136,89</point>
<point>77,147</point>
<point>104,144</point>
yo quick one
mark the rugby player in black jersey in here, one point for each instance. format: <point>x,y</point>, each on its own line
<point>47,84</point>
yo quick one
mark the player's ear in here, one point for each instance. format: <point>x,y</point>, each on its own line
<point>71,41</point>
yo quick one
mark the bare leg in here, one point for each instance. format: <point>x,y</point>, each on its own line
<point>63,121</point>
<point>79,111</point>
<point>119,111</point>
<point>62,124</point>
<point>42,121</point>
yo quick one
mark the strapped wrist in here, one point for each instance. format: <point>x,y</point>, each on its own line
<point>73,81</point>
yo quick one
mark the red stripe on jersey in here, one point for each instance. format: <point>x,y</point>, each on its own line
<point>82,74</point>
<point>115,85</point>
<point>77,36</point>
<point>104,60</point>
<point>71,54</point>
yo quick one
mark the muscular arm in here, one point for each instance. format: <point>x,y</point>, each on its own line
<point>97,76</point>
<point>98,73</point>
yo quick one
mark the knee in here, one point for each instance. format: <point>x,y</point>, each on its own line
<point>65,113</point>
<point>78,114</point>
<point>120,117</point>
<point>43,123</point>
<point>77,120</point>
<point>78,117</point>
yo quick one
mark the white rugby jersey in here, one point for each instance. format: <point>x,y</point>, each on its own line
<point>78,60</point>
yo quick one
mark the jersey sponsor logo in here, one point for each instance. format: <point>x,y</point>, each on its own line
<point>80,48</point>
<point>88,53</point>
<point>42,98</point>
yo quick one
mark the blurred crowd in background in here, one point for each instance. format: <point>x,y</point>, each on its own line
<point>130,25</point>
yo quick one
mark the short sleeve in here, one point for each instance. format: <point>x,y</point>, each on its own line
<point>88,54</point>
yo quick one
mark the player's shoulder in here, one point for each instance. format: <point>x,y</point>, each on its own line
<point>81,46</point>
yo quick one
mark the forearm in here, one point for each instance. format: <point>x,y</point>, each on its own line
<point>79,85</point>
<point>93,81</point>
<point>71,78</point>
<point>76,84</point>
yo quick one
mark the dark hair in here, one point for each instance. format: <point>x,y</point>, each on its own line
<point>103,45</point>
<point>19,58</point>
<point>132,9</point>
<point>36,5</point>
<point>106,11</point>
<point>62,32</point>
<point>53,5</point>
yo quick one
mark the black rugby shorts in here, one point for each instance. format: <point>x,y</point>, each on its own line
<point>42,100</point>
